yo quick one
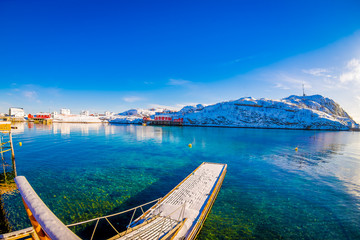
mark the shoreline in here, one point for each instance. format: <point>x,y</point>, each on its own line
<point>220,126</point>
<point>82,122</point>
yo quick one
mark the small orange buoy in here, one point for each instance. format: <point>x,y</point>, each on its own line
<point>190,145</point>
<point>296,149</point>
<point>20,144</point>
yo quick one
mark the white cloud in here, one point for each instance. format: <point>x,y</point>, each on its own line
<point>346,77</point>
<point>30,94</point>
<point>353,72</point>
<point>281,86</point>
<point>178,82</point>
<point>289,82</point>
<point>318,72</point>
<point>241,59</point>
<point>132,99</point>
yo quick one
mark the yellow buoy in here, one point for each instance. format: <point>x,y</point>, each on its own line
<point>296,148</point>
<point>20,144</point>
<point>190,145</point>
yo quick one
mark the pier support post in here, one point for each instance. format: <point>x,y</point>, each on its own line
<point>12,153</point>
<point>2,159</point>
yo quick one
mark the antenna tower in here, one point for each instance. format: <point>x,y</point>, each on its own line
<point>303,90</point>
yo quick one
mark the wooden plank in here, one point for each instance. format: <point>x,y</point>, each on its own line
<point>208,207</point>
<point>192,199</point>
<point>24,233</point>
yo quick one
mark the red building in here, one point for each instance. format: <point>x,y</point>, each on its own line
<point>39,116</point>
<point>163,120</point>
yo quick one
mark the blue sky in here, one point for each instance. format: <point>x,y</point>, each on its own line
<point>116,55</point>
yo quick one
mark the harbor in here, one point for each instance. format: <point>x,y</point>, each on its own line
<point>138,164</point>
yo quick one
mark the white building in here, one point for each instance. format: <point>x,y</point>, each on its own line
<point>16,112</point>
<point>85,113</point>
<point>108,114</point>
<point>65,111</point>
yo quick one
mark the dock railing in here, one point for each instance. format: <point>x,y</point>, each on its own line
<point>113,215</point>
<point>48,226</point>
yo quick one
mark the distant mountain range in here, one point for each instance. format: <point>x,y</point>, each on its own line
<point>294,112</point>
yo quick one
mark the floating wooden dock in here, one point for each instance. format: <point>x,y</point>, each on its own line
<point>178,215</point>
<point>12,119</point>
<point>183,211</point>
<point>163,123</point>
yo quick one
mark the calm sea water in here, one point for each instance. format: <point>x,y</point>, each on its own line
<point>270,191</point>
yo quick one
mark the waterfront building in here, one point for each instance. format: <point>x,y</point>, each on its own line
<point>16,112</point>
<point>84,113</point>
<point>65,111</point>
<point>108,114</point>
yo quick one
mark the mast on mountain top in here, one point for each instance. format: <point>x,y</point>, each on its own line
<point>303,90</point>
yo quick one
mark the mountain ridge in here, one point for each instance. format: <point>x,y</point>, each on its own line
<point>293,112</point>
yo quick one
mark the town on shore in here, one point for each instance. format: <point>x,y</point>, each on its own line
<point>294,112</point>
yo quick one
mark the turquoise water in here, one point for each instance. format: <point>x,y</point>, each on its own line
<point>270,191</point>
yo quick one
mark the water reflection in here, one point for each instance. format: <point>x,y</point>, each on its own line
<point>19,127</point>
<point>323,154</point>
<point>146,132</point>
<point>141,133</point>
<point>83,128</point>
<point>109,129</point>
<point>312,150</point>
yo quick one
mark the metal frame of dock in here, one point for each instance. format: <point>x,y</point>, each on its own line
<point>6,146</point>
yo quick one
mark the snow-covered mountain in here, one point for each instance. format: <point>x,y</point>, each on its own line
<point>140,112</point>
<point>190,109</point>
<point>134,116</point>
<point>294,112</point>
